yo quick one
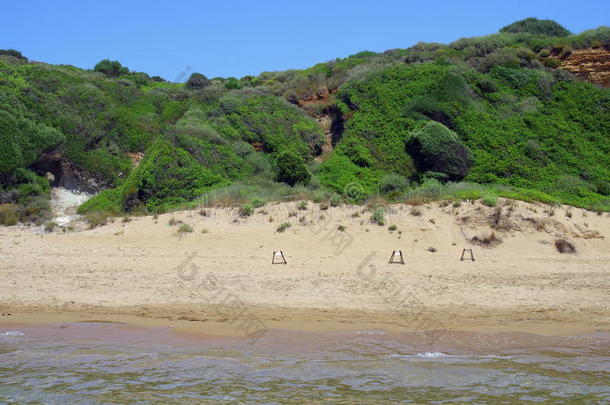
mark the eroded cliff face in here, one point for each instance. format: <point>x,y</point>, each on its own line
<point>592,64</point>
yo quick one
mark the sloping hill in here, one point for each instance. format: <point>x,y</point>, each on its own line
<point>509,110</point>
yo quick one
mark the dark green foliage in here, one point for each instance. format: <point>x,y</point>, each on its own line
<point>197,81</point>
<point>291,168</point>
<point>535,26</point>
<point>232,84</point>
<point>111,68</point>
<point>434,147</point>
<point>13,53</point>
<point>23,140</point>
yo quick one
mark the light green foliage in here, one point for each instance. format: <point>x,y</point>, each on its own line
<point>489,200</point>
<point>184,228</point>
<point>378,216</point>
<point>246,210</point>
<point>167,175</point>
<point>23,140</point>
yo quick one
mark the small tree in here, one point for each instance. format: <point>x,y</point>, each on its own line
<point>111,68</point>
<point>232,84</point>
<point>292,168</point>
<point>197,81</point>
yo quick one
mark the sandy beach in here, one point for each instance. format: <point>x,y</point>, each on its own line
<point>219,278</point>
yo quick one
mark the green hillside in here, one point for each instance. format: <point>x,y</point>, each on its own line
<point>487,115</point>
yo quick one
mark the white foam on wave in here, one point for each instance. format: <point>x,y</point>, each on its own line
<point>12,333</point>
<point>441,355</point>
<point>432,355</point>
<point>370,332</point>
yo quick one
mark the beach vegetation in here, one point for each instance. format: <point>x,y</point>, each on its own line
<point>283,226</point>
<point>377,217</point>
<point>184,228</point>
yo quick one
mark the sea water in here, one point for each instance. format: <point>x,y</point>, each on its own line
<point>96,363</point>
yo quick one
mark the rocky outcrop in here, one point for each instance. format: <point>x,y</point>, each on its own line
<point>592,64</point>
<point>321,107</point>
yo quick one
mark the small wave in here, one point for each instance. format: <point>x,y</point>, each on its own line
<point>432,355</point>
<point>12,333</point>
<point>370,332</point>
<point>441,355</point>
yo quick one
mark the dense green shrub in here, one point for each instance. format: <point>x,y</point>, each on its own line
<point>167,175</point>
<point>377,217</point>
<point>23,140</point>
<point>291,168</point>
<point>246,210</point>
<point>197,81</point>
<point>435,147</point>
<point>13,53</point>
<point>535,26</point>
<point>111,68</point>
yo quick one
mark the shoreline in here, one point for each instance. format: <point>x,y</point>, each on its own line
<point>334,322</point>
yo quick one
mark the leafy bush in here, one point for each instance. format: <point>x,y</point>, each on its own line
<point>13,53</point>
<point>489,200</point>
<point>377,217</point>
<point>246,210</point>
<point>23,140</point>
<point>535,26</point>
<point>291,168</point>
<point>435,147</point>
<point>184,228</point>
<point>111,68</point>
<point>167,175</point>
<point>393,183</point>
<point>197,81</point>
<point>257,202</point>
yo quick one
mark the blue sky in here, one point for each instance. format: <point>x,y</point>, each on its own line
<point>236,38</point>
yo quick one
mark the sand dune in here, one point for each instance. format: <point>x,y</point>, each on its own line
<point>141,270</point>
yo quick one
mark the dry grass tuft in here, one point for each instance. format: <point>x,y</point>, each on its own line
<point>564,246</point>
<point>489,241</point>
<point>173,222</point>
<point>96,219</point>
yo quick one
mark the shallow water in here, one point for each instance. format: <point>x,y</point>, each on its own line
<point>91,363</point>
